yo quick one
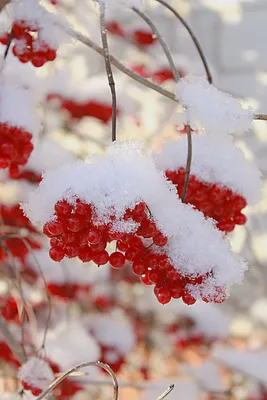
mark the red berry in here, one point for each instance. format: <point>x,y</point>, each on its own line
<point>56,253</point>
<point>75,223</point>
<point>83,208</point>
<point>55,228</point>
<point>100,257</point>
<point>63,207</point>
<point>163,295</point>
<point>160,240</point>
<point>85,254</point>
<point>188,298</point>
<point>156,276</point>
<point>240,219</point>
<point>122,246</point>
<point>71,252</point>
<point>36,391</point>
<point>38,60</point>
<point>94,236</point>
<point>117,260</point>
<point>139,268</point>
<point>145,280</point>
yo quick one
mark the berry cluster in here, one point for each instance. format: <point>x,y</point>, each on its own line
<point>35,391</point>
<point>67,290</point>
<point>78,110</point>
<point>139,37</point>
<point>15,148</point>
<point>213,200</point>
<point>28,45</point>
<point>74,233</point>
<point>12,216</point>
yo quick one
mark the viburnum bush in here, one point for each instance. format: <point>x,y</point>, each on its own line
<point>107,234</point>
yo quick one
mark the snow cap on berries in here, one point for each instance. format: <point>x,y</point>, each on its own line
<point>120,179</point>
<point>216,160</point>
<point>216,111</point>
<point>36,373</point>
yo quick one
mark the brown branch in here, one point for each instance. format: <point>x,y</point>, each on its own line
<point>161,41</point>
<point>78,367</point>
<point>192,35</point>
<point>110,77</point>
<point>260,117</point>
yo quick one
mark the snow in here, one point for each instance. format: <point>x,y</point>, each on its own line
<point>69,344</point>
<point>119,179</point>
<point>251,363</point>
<point>48,154</point>
<point>22,101</point>
<point>36,372</point>
<point>216,111</point>
<point>215,159</point>
<point>67,271</point>
<point>112,332</point>
<point>207,374</point>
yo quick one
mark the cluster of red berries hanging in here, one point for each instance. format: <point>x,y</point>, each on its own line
<point>214,200</point>
<point>73,233</point>
<point>28,43</point>
<point>140,37</point>
<point>15,148</point>
<point>13,220</point>
<point>78,110</point>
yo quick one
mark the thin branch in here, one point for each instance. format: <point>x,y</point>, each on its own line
<point>111,81</point>
<point>188,161</point>
<point>166,393</point>
<point>262,117</point>
<point>78,367</point>
<point>11,36</point>
<point>161,40</point>
<point>192,35</point>
<point>11,342</point>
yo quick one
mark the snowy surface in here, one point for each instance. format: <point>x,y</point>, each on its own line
<point>215,159</point>
<point>36,372</point>
<point>216,111</point>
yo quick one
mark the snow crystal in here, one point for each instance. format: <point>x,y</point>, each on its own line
<point>216,111</point>
<point>112,332</point>
<point>17,107</point>
<point>69,344</point>
<point>36,372</point>
<point>67,271</point>
<point>123,177</point>
<point>215,160</point>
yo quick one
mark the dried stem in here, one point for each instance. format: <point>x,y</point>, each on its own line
<point>78,367</point>
<point>166,393</point>
<point>192,35</point>
<point>111,81</point>
<point>262,117</point>
<point>11,342</point>
<point>188,161</point>
<point>161,41</point>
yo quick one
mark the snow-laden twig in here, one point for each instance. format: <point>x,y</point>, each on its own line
<point>110,77</point>
<point>77,368</point>
<point>192,35</point>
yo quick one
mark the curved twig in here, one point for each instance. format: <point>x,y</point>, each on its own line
<point>166,393</point>
<point>161,40</point>
<point>110,77</point>
<point>192,35</point>
<point>78,367</point>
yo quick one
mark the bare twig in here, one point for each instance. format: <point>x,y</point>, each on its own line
<point>78,367</point>
<point>166,393</point>
<point>192,35</point>
<point>161,41</point>
<point>188,161</point>
<point>262,117</point>
<point>111,81</point>
<point>12,343</point>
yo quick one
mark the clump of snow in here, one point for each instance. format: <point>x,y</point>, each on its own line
<point>17,107</point>
<point>215,160</point>
<point>69,344</point>
<point>121,178</point>
<point>48,154</point>
<point>216,111</point>
<point>39,18</point>
<point>113,332</point>
<point>36,372</point>
<point>71,271</point>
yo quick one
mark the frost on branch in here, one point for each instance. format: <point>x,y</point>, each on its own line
<point>35,375</point>
<point>217,112</point>
<point>107,187</point>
